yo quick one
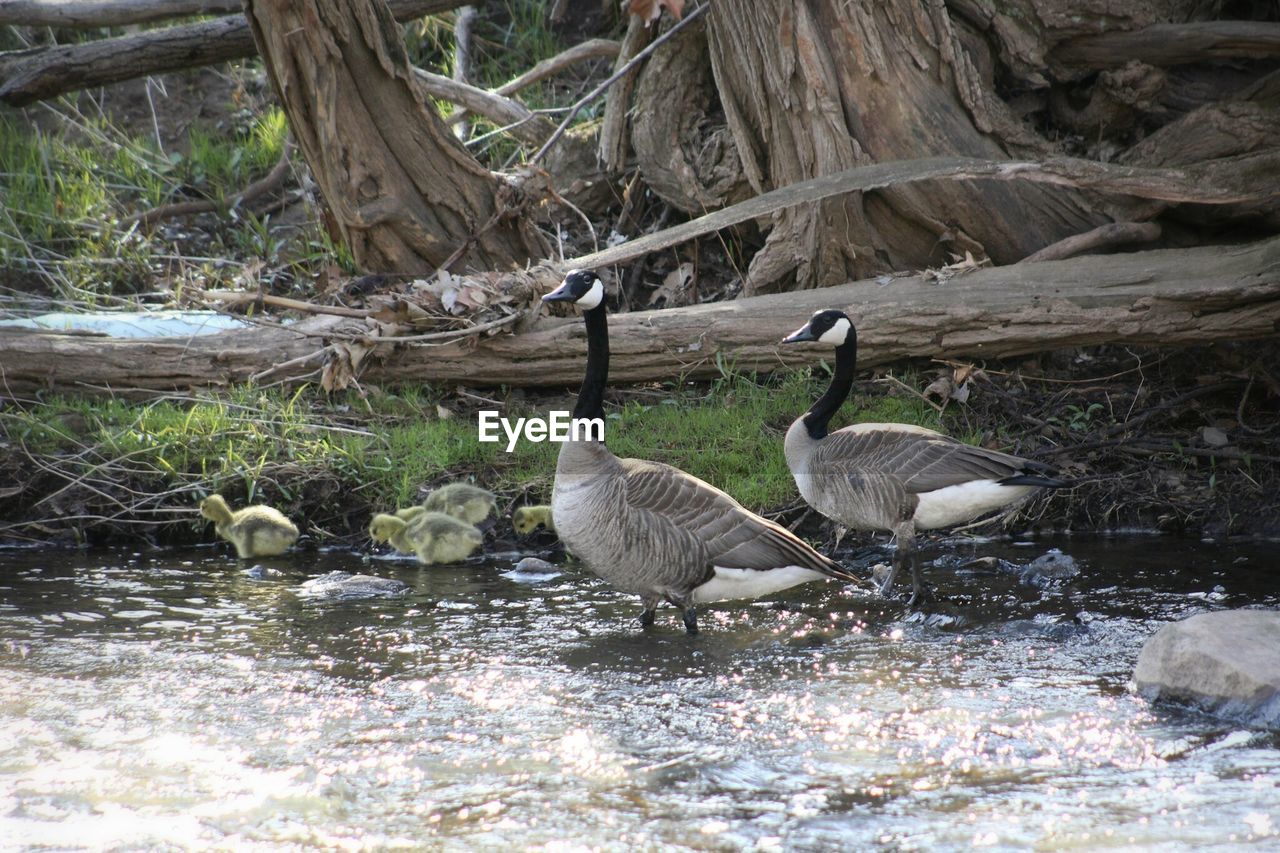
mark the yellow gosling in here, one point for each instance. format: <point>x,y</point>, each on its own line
<point>255,531</point>
<point>440,538</point>
<point>526,519</point>
<point>463,501</point>
<point>392,528</point>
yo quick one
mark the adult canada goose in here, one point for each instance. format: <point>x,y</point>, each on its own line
<point>463,501</point>
<point>895,477</point>
<point>651,529</point>
<point>433,536</point>
<point>526,519</point>
<point>255,531</point>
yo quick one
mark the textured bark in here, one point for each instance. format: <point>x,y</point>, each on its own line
<point>684,149</point>
<point>402,190</point>
<point>613,130</point>
<point>1164,298</point>
<point>1171,44</point>
<point>91,14</point>
<point>811,88</point>
<point>46,72</point>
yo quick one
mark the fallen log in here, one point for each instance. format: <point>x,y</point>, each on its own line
<point>46,72</point>
<point>92,14</point>
<point>1168,297</point>
<point>1171,44</point>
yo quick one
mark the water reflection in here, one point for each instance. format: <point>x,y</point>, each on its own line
<point>151,698</point>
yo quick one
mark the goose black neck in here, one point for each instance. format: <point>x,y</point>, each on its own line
<point>819,414</point>
<point>591,395</point>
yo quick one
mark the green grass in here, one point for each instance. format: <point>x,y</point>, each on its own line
<point>317,459</point>
<point>61,196</point>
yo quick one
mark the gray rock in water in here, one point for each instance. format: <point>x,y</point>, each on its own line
<point>262,573</point>
<point>344,585</point>
<point>1051,567</point>
<point>533,569</point>
<point>1227,663</point>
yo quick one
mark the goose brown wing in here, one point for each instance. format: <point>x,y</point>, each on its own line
<point>680,506</point>
<point>921,461</point>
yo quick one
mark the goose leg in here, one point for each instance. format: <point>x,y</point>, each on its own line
<point>648,614</point>
<point>691,620</point>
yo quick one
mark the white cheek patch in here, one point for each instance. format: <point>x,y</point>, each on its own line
<point>836,334</point>
<point>592,297</point>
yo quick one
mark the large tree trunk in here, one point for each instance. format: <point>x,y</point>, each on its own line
<point>1166,297</point>
<point>811,88</point>
<point>404,193</point>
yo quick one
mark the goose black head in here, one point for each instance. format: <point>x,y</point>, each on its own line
<point>828,327</point>
<point>581,287</point>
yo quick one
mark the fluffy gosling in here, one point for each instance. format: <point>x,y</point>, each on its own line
<point>463,501</point>
<point>255,531</point>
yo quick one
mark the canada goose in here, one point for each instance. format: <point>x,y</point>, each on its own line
<point>895,477</point>
<point>526,519</point>
<point>433,536</point>
<point>255,531</point>
<point>463,501</point>
<point>393,528</point>
<point>651,529</point>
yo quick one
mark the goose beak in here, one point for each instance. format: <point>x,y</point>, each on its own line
<point>804,333</point>
<point>560,294</point>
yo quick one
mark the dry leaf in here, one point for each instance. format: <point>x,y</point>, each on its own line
<point>675,287</point>
<point>342,364</point>
<point>442,413</point>
<point>650,10</point>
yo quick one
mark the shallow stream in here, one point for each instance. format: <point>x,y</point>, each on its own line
<point>169,699</point>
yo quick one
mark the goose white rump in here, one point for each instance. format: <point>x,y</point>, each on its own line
<point>751,583</point>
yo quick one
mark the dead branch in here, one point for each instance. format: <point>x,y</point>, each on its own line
<point>612,146</point>
<point>92,14</point>
<point>1103,237</point>
<point>592,49</point>
<point>524,124</point>
<point>239,297</point>
<point>260,187</point>
<point>46,72</point>
<point>1226,181</point>
<point>1171,44</point>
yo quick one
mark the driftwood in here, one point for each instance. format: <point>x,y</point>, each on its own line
<point>46,72</point>
<point>91,14</point>
<point>1166,297</point>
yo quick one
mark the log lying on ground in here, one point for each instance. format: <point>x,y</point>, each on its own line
<point>91,14</point>
<point>1171,44</point>
<point>41,73</point>
<point>1166,297</point>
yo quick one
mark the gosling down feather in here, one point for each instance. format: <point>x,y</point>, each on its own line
<point>463,501</point>
<point>894,477</point>
<point>527,519</point>
<point>433,536</point>
<point>653,530</point>
<point>255,531</point>
<point>393,528</point>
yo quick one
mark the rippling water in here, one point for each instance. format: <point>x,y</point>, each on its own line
<point>162,698</point>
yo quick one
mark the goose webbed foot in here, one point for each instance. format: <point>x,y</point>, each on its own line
<point>647,616</point>
<point>691,620</point>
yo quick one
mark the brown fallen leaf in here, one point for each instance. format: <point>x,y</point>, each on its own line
<point>650,10</point>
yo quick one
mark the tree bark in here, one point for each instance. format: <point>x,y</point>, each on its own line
<point>1169,297</point>
<point>46,72</point>
<point>402,190</point>
<point>1171,44</point>
<point>812,88</point>
<point>91,14</point>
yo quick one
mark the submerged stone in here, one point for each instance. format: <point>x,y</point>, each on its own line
<point>344,585</point>
<point>1226,663</point>
<point>1051,567</point>
<point>533,569</point>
